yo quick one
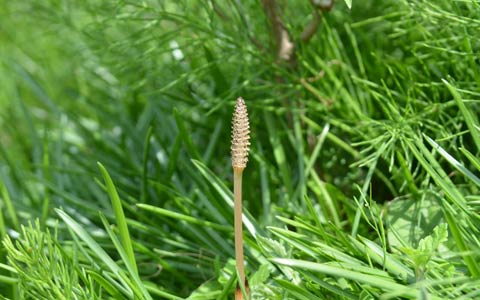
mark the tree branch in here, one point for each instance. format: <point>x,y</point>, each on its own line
<point>285,47</point>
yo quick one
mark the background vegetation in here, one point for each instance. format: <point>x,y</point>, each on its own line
<point>115,162</point>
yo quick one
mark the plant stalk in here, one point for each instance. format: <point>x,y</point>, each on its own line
<point>237,192</point>
<point>240,147</point>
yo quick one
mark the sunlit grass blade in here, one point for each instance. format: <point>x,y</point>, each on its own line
<point>385,283</point>
<point>8,280</point>
<point>455,163</point>
<point>470,119</point>
<point>119,217</point>
<point>99,252</point>
<point>138,288</point>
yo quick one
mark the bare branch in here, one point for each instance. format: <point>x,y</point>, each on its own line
<point>285,47</point>
<point>311,28</point>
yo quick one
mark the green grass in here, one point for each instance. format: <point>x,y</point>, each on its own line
<point>115,172</point>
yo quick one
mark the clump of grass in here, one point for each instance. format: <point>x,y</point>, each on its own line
<point>43,268</point>
<point>366,161</point>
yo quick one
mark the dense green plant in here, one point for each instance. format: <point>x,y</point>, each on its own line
<point>37,260</point>
<point>363,177</point>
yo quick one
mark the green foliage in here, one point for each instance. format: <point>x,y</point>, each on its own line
<point>427,247</point>
<point>44,270</point>
<point>363,178</point>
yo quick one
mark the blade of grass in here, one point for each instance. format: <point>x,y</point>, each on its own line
<point>298,140</point>
<point>146,152</point>
<point>227,196</point>
<point>3,229</point>
<point>16,174</point>
<point>185,134</point>
<point>119,217</point>
<point>278,152</point>
<point>455,163</point>
<point>316,150</point>
<point>104,283</point>
<point>266,196</point>
<point>157,291</point>
<point>8,280</point>
<point>470,261</point>
<point>173,157</point>
<point>182,217</point>
<point>81,233</point>
<point>227,288</point>
<point>365,187</point>
<point>474,160</point>
<point>330,287</point>
<point>213,141</point>
<point>470,119</point>
<point>47,176</point>
<point>9,206</point>
<point>328,204</point>
<point>433,168</point>
<point>298,291</point>
<point>138,288</point>
<point>384,283</point>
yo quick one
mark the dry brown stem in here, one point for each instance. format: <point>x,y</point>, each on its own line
<point>285,47</point>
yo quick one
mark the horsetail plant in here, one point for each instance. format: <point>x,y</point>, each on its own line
<point>240,148</point>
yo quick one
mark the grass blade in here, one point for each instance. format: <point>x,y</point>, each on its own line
<point>95,247</point>
<point>182,217</point>
<point>470,119</point>
<point>9,206</point>
<point>138,288</point>
<point>119,217</point>
<point>455,163</point>
<point>384,283</point>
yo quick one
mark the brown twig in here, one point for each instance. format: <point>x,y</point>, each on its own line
<point>311,28</point>
<point>285,47</point>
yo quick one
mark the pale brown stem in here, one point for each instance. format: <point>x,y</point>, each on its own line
<point>311,28</point>
<point>285,46</point>
<point>237,193</point>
